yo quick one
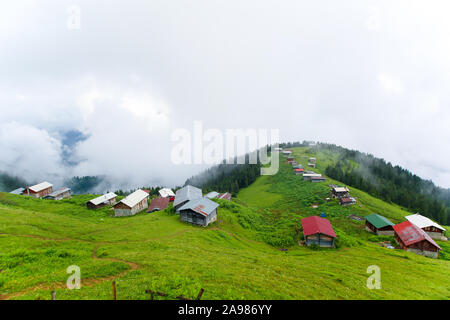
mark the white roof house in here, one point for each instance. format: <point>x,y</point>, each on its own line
<point>312,175</point>
<point>41,186</point>
<point>134,198</point>
<point>422,222</point>
<point>103,198</point>
<point>341,189</point>
<point>212,195</point>
<point>166,192</point>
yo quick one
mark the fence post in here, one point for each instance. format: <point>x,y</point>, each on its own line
<point>200,293</point>
<point>53,295</point>
<point>114,290</point>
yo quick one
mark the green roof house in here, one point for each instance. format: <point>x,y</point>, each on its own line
<point>379,225</point>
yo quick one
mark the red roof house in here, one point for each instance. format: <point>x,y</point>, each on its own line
<point>412,238</point>
<point>158,204</point>
<point>318,231</point>
<point>225,195</point>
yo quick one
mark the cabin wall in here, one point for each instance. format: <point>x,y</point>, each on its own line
<point>41,193</point>
<point>320,240</point>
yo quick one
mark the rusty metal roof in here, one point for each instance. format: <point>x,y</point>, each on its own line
<point>158,204</point>
<point>410,234</point>
<point>203,206</point>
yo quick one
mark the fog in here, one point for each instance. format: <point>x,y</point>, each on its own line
<point>367,75</point>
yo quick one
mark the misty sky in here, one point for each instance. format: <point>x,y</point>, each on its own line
<point>367,75</point>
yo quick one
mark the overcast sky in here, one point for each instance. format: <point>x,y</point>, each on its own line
<point>367,75</point>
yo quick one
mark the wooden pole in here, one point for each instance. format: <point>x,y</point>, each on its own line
<point>200,293</point>
<point>53,295</point>
<point>114,290</point>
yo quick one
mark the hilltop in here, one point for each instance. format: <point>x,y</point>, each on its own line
<point>251,252</point>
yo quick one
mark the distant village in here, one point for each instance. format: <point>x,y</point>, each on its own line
<point>416,234</point>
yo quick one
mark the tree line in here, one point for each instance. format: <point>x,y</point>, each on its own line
<point>389,183</point>
<point>227,177</point>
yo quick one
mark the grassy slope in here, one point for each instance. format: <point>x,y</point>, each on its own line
<point>231,259</point>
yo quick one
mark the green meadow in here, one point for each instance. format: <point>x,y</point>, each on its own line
<point>251,252</point>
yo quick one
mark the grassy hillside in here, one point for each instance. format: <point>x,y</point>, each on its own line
<point>238,257</point>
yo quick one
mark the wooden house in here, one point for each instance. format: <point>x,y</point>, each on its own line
<point>318,179</point>
<point>379,225</point>
<point>290,159</point>
<point>60,194</point>
<point>339,192</point>
<point>200,211</point>
<point>186,194</point>
<point>308,176</point>
<point>298,171</point>
<point>158,204</point>
<point>312,160</point>
<point>132,204</point>
<point>412,238</point>
<point>347,201</point>
<point>225,196</point>
<point>318,231</point>
<point>108,199</point>
<point>433,229</point>
<point>312,165</point>
<point>39,190</point>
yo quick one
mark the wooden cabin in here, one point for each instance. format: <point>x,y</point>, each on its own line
<point>317,179</point>
<point>186,194</point>
<point>108,199</point>
<point>39,190</point>
<point>60,194</point>
<point>312,165</point>
<point>347,201</point>
<point>433,229</point>
<point>132,204</point>
<point>379,225</point>
<point>318,231</point>
<point>339,192</point>
<point>200,211</point>
<point>290,159</point>
<point>298,171</point>
<point>158,204</point>
<point>412,238</point>
<point>312,160</point>
<point>308,176</point>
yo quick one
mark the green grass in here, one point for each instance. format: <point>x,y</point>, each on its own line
<point>237,257</point>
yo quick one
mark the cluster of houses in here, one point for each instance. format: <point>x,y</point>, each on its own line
<point>188,202</point>
<point>44,190</point>
<point>300,170</point>
<point>342,194</point>
<point>416,234</point>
